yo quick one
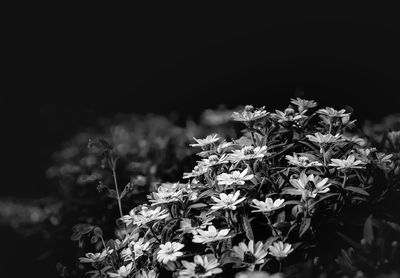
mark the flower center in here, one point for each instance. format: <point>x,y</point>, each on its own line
<point>199,269</point>
<point>249,257</point>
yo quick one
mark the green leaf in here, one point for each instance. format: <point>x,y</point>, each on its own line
<point>357,190</point>
<point>368,232</point>
<point>247,227</point>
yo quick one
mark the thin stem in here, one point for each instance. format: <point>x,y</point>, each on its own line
<point>152,231</point>
<point>114,165</point>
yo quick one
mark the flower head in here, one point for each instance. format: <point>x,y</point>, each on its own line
<point>190,225</point>
<point>122,272</point>
<point>135,250</point>
<point>96,257</point>
<point>210,235</point>
<point>247,153</point>
<point>250,254</point>
<point>202,266</point>
<point>210,139</point>
<point>324,139</point>
<point>225,201</point>
<point>280,250</point>
<point>289,115</point>
<point>250,114</point>
<point>169,252</point>
<point>349,163</point>
<point>267,206</point>
<point>303,104</point>
<point>308,186</point>
<point>236,177</point>
<point>144,216</point>
<point>146,274</point>
<point>330,115</point>
<point>302,161</point>
<point>166,193</point>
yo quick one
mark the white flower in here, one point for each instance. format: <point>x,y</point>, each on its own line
<point>122,272</point>
<point>146,274</point>
<point>144,216</point>
<point>197,171</point>
<point>202,266</point>
<point>349,163</point>
<point>166,193</point>
<point>280,250</point>
<point>210,139</point>
<point>190,225</point>
<point>210,235</point>
<point>267,206</point>
<point>258,274</point>
<point>96,257</point>
<point>135,250</point>
<point>289,115</point>
<point>214,160</point>
<point>250,254</point>
<point>225,201</point>
<point>249,114</point>
<point>303,187</point>
<point>329,114</point>
<point>235,177</point>
<point>303,104</point>
<point>302,161</point>
<point>169,252</point>
<point>247,153</point>
<point>323,139</point>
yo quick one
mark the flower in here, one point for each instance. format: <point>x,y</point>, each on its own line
<point>146,274</point>
<point>197,171</point>
<point>190,225</point>
<point>258,274</point>
<point>267,206</point>
<point>96,257</point>
<point>144,216</point>
<point>302,161</point>
<point>169,252</point>
<point>330,115</point>
<point>210,139</point>
<point>289,115</point>
<point>135,250</point>
<point>166,193</point>
<point>249,114</point>
<point>210,235</point>
<point>247,153</point>
<point>303,187</point>
<point>236,177</point>
<point>202,266</point>
<point>250,254</point>
<point>349,163</point>
<point>323,139</point>
<point>213,160</point>
<point>303,104</point>
<point>280,250</point>
<point>227,201</point>
<point>122,272</point>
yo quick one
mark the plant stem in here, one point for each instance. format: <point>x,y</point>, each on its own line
<point>114,165</point>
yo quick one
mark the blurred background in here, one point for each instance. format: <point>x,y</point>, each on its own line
<point>67,72</point>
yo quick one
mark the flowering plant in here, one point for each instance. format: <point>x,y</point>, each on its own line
<point>267,201</point>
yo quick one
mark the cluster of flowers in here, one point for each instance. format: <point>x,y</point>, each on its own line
<point>252,203</point>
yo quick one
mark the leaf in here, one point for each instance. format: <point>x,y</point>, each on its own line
<point>357,190</point>
<point>323,198</point>
<point>247,227</point>
<point>197,205</point>
<point>368,232</point>
<point>230,260</point>
<point>305,225</point>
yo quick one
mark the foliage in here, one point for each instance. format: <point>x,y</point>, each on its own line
<point>290,197</point>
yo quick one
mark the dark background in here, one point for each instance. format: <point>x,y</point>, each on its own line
<point>65,71</point>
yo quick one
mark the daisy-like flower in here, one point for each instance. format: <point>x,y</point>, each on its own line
<point>122,272</point>
<point>135,250</point>
<point>210,235</point>
<point>301,161</point>
<point>236,177</point>
<point>96,257</point>
<point>250,254</point>
<point>349,163</point>
<point>247,153</point>
<point>330,115</point>
<point>210,139</point>
<point>169,252</point>
<point>202,266</point>
<point>166,193</point>
<point>280,250</point>
<point>144,216</point>
<point>267,206</point>
<point>303,104</point>
<point>197,171</point>
<point>190,225</point>
<point>250,114</point>
<point>289,115</point>
<point>214,160</point>
<point>258,274</point>
<point>324,139</point>
<point>146,274</point>
<point>225,201</point>
<point>303,187</point>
